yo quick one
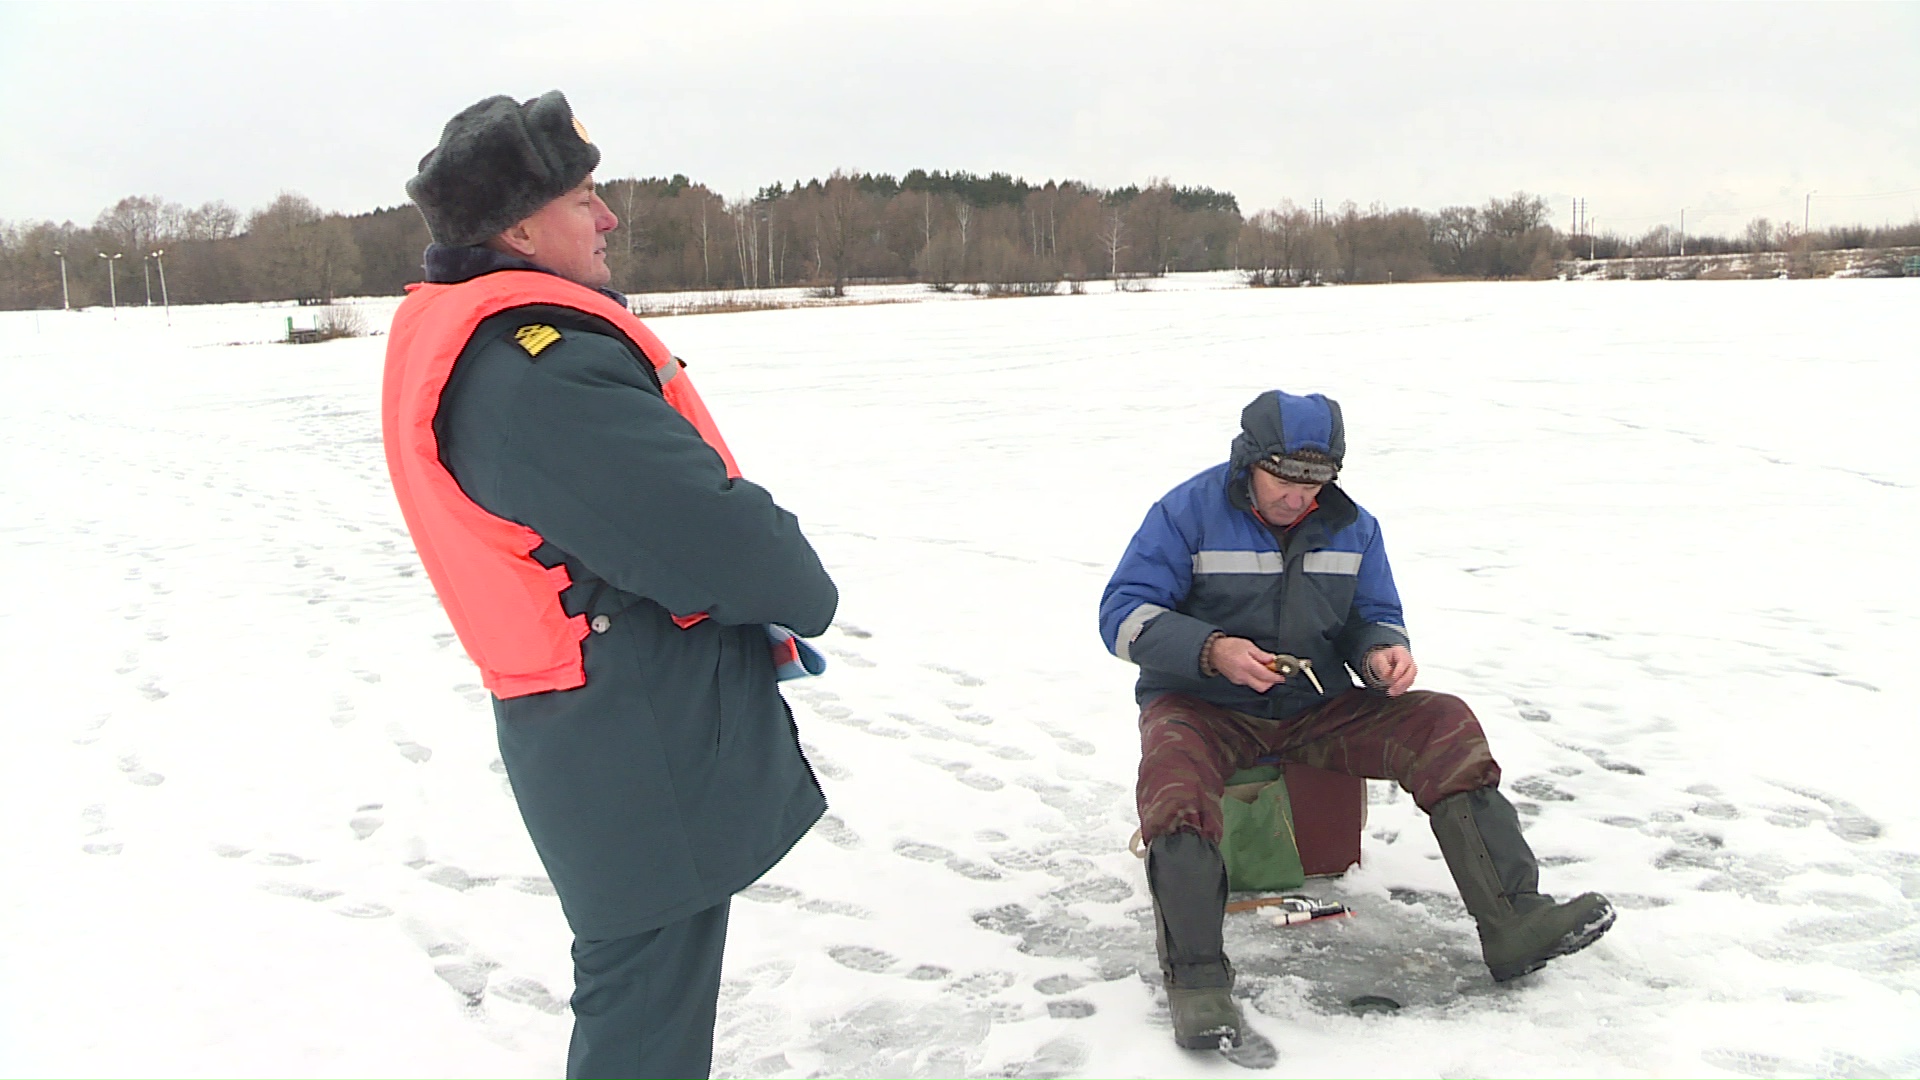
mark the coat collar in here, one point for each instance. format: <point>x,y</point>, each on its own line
<point>449,264</point>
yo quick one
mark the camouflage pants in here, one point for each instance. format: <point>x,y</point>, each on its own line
<point>1431,743</point>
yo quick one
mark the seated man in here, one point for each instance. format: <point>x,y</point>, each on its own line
<point>1245,597</point>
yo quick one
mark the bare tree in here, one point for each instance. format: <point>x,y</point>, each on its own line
<point>963,214</point>
<point>134,223</point>
<point>747,236</point>
<point>1111,236</point>
<point>300,252</point>
<point>211,221</point>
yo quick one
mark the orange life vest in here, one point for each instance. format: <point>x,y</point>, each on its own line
<point>504,605</point>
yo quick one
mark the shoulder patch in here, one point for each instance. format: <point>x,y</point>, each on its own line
<point>536,337</point>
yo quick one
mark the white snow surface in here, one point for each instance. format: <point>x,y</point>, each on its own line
<point>1659,535</point>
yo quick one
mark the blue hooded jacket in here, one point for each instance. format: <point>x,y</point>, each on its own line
<point>1203,562</point>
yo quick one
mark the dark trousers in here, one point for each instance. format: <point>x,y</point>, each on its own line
<point>645,1005</point>
<point>1431,743</point>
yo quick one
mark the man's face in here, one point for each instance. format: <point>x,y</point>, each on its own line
<point>1281,502</point>
<point>568,236</point>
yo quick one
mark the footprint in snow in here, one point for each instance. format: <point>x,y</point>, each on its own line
<point>823,764</point>
<point>769,975</point>
<point>528,992</point>
<point>966,868</point>
<point>334,900</point>
<point>964,712</point>
<point>1059,1057</point>
<point>1100,890</point>
<point>1066,740</point>
<point>532,886</point>
<point>981,985</point>
<point>136,774</point>
<point>767,892</point>
<point>1604,759</point>
<point>891,1038</point>
<point>847,656</point>
<point>834,830</point>
<point>475,976</point>
<point>1790,817</point>
<point>960,678</point>
<point>963,771</point>
<point>862,958</point>
<point>1110,952</point>
<point>365,822</point>
<point>98,833</point>
<point>1847,821</point>
<point>455,878</point>
<point>1541,788</point>
<point>1020,859</point>
<point>1055,985</point>
<point>413,751</point>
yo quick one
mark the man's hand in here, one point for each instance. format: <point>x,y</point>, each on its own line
<point>1391,669</point>
<point>1243,663</point>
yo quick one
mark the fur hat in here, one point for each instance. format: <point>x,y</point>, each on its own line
<point>499,161</point>
<point>1300,467</point>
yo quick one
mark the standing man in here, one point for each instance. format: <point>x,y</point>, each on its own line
<point>1263,563</point>
<point>620,587</point>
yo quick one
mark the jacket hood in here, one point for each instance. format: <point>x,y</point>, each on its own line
<point>1277,422</point>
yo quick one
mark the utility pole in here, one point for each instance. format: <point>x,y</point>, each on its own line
<point>65,304</point>
<point>161,263</point>
<point>1806,215</point>
<point>1683,232</point>
<point>113,292</point>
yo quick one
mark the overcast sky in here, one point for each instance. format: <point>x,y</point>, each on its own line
<point>1728,110</point>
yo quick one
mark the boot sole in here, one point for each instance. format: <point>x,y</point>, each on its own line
<point>1573,942</point>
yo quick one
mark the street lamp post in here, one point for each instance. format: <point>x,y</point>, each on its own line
<point>113,292</point>
<point>162,265</point>
<point>65,304</point>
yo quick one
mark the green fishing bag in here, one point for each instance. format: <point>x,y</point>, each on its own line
<point>1260,848</point>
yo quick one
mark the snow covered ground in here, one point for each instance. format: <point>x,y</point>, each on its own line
<point>1659,534</point>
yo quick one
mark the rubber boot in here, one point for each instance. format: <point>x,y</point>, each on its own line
<point>1188,882</point>
<point>1499,879</point>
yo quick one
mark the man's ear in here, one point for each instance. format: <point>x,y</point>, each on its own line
<point>515,239</point>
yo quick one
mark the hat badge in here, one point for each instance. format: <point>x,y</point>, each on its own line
<point>580,129</point>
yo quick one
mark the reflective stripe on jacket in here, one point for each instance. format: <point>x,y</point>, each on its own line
<point>1201,562</point>
<point>503,603</point>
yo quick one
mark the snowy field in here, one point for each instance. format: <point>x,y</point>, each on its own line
<point>1658,534</point>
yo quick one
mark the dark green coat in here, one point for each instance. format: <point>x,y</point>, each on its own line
<point>674,777</point>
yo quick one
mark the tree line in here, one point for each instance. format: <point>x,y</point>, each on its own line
<point>947,230</point>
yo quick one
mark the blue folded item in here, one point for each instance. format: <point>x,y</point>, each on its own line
<point>792,657</point>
